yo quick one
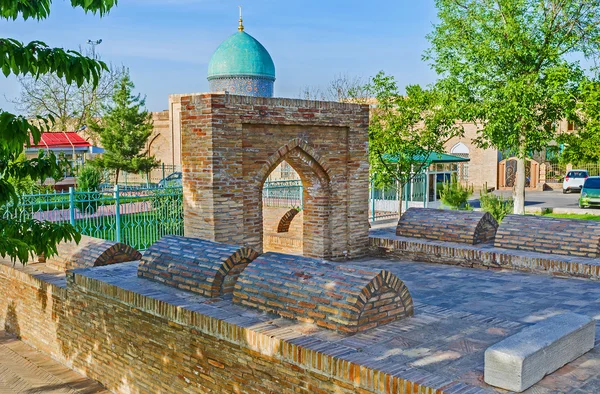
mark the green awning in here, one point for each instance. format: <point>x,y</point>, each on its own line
<point>432,158</point>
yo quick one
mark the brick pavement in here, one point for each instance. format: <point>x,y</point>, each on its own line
<point>25,370</point>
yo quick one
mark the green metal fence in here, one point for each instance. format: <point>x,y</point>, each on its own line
<point>152,178</point>
<point>135,216</point>
<point>384,201</point>
<point>285,194</point>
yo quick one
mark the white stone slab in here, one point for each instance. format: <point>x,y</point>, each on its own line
<point>521,360</point>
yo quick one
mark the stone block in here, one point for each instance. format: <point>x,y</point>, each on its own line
<point>520,361</point>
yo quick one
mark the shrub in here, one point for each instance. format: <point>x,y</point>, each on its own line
<point>455,195</point>
<point>88,181</point>
<point>89,178</point>
<point>496,205</point>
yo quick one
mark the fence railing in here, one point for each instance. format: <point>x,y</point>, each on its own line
<point>137,217</point>
<point>152,178</point>
<point>384,201</point>
<point>283,194</point>
<point>593,169</point>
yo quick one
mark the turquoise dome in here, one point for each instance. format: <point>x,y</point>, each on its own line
<point>241,55</point>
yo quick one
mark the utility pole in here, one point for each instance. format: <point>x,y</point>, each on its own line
<point>93,44</point>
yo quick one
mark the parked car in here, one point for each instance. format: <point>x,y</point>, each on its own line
<point>574,180</point>
<point>173,179</point>
<point>590,193</point>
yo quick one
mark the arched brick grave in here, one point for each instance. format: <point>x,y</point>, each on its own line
<point>569,237</point>
<point>341,298</point>
<point>208,268</point>
<point>470,227</point>
<point>91,252</point>
<point>230,145</point>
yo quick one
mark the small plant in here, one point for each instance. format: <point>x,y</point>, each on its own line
<point>89,178</point>
<point>89,181</point>
<point>455,195</point>
<point>496,205</point>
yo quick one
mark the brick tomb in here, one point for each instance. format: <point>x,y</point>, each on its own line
<point>90,252</point>
<point>468,227</point>
<point>230,145</point>
<point>569,237</point>
<point>336,297</point>
<point>208,268</point>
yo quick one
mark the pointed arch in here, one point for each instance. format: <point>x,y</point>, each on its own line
<point>304,151</point>
<point>460,148</point>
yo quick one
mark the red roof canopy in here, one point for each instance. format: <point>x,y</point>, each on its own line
<point>61,140</point>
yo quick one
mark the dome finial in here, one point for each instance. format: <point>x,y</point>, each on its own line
<point>241,26</point>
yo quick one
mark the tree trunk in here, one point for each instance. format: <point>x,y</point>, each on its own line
<point>399,193</point>
<point>117,176</point>
<point>519,188</point>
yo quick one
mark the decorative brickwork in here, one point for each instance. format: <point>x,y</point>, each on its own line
<point>232,143</point>
<point>340,298</point>
<point>137,336</point>
<point>569,237</point>
<point>286,220</point>
<point>208,268</point>
<point>468,227</point>
<point>91,252</point>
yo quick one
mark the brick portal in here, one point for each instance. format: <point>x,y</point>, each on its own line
<point>230,144</point>
<point>342,298</point>
<point>91,252</point>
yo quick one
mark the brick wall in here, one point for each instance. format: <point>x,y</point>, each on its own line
<point>483,163</point>
<point>91,252</point>
<point>468,227</point>
<point>204,267</point>
<point>134,343</point>
<point>232,143</point>
<point>340,298</point>
<point>569,237</point>
<point>276,219</point>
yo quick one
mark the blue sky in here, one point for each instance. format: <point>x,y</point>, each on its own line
<point>167,43</point>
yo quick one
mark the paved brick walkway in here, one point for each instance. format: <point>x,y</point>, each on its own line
<point>25,370</point>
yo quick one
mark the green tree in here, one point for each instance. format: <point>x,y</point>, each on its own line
<point>124,132</point>
<point>405,130</point>
<point>21,238</point>
<point>509,64</point>
<point>583,146</point>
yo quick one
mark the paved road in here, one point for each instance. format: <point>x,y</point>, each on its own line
<point>550,199</point>
<point>25,370</point>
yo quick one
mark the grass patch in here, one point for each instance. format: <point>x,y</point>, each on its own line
<point>585,216</point>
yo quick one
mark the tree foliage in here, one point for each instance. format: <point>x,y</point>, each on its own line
<point>406,129</point>
<point>124,132</point>
<point>509,64</point>
<point>583,145</point>
<point>20,238</point>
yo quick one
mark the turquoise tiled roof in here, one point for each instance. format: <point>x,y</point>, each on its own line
<point>241,55</point>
